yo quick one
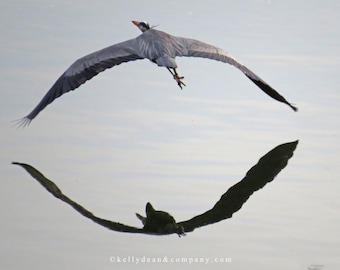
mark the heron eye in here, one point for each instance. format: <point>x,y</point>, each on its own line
<point>145,25</point>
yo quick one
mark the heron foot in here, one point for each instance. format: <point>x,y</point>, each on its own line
<point>179,80</point>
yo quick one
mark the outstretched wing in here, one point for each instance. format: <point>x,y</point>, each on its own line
<point>257,177</point>
<point>84,69</point>
<point>196,48</point>
<point>56,192</point>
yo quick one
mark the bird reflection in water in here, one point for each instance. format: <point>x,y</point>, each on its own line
<point>162,223</point>
<point>159,222</point>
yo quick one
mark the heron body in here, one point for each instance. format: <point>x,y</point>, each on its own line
<point>157,46</point>
<point>159,222</point>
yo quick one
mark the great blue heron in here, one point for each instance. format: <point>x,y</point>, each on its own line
<point>157,46</point>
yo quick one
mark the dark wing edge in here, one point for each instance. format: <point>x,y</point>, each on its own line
<point>196,48</point>
<point>267,168</point>
<point>271,92</point>
<point>56,192</point>
<point>83,70</point>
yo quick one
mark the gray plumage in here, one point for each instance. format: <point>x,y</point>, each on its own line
<point>157,46</point>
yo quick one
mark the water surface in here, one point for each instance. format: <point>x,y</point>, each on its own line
<point>131,136</point>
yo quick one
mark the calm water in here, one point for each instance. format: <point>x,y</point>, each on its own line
<point>130,136</point>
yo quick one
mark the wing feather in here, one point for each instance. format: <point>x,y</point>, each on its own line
<point>196,48</point>
<point>84,69</point>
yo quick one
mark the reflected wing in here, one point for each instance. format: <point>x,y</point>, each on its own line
<point>56,192</point>
<point>257,177</point>
<point>197,48</point>
<point>83,70</point>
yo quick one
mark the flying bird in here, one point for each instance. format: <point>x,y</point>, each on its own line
<point>159,47</point>
<point>162,223</point>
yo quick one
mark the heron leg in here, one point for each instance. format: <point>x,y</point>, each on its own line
<point>177,77</point>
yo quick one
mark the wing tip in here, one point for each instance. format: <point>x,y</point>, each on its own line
<point>22,122</point>
<point>16,163</point>
<point>295,109</point>
<point>271,92</point>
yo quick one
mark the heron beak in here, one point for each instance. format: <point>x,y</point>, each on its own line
<point>135,23</point>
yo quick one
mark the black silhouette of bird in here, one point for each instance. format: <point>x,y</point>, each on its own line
<point>162,223</point>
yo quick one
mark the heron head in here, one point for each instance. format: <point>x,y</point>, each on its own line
<point>143,26</point>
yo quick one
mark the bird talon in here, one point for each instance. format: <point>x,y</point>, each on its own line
<point>179,81</point>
